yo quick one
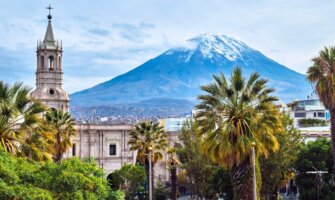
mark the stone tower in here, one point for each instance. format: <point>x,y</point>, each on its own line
<point>49,73</point>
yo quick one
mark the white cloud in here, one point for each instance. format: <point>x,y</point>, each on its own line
<point>102,40</point>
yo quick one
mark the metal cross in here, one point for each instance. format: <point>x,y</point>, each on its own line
<point>49,8</point>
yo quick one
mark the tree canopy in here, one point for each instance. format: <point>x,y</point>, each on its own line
<point>69,179</point>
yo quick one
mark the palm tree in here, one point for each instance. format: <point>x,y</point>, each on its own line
<point>146,135</point>
<point>18,113</point>
<point>173,164</point>
<point>232,116</point>
<point>322,75</point>
<point>39,143</point>
<point>64,127</point>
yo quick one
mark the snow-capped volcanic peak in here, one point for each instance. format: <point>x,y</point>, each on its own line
<point>210,45</point>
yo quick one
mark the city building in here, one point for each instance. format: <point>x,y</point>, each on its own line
<point>311,118</point>
<point>308,109</point>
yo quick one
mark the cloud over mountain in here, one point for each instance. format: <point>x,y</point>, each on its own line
<point>179,72</point>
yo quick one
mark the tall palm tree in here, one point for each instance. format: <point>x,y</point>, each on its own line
<point>232,116</point>
<point>64,127</point>
<point>322,75</point>
<point>146,135</point>
<point>18,113</point>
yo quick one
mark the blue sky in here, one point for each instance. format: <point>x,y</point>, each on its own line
<point>105,38</point>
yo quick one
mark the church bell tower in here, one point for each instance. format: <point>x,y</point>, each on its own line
<point>49,73</point>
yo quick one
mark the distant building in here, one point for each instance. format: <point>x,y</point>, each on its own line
<point>311,118</point>
<point>173,124</point>
<point>308,109</point>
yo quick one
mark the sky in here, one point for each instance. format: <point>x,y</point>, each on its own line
<point>106,38</point>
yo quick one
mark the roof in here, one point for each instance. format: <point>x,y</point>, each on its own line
<point>49,39</point>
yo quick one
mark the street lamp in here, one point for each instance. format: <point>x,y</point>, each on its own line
<point>253,144</point>
<point>318,179</point>
<point>150,172</point>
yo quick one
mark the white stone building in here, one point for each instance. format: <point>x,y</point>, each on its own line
<point>308,109</point>
<point>107,144</point>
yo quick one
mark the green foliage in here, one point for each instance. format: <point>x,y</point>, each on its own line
<point>312,122</point>
<point>116,195</point>
<point>204,179</point>
<point>64,126</point>
<point>278,168</point>
<point>161,192</point>
<point>127,179</point>
<point>22,130</point>
<point>69,179</point>
<point>314,155</point>
<point>221,183</point>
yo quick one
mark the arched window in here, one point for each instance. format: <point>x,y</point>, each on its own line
<point>51,63</point>
<point>59,63</point>
<point>42,62</point>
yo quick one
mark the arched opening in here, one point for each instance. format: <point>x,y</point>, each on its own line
<point>51,63</point>
<point>42,62</point>
<point>111,184</point>
<point>59,63</point>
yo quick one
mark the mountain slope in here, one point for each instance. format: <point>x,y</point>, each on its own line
<point>179,72</point>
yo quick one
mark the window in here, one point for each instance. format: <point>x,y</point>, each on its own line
<point>299,114</point>
<point>42,62</point>
<point>315,114</point>
<point>59,62</point>
<point>51,63</point>
<point>321,114</point>
<point>74,149</point>
<point>112,149</point>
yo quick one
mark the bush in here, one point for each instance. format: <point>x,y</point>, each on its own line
<point>116,195</point>
<point>312,122</point>
<point>127,179</point>
<point>161,193</point>
<point>69,179</point>
<point>315,155</point>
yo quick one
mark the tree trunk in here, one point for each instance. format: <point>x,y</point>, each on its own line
<point>271,195</point>
<point>147,170</point>
<point>173,177</point>
<point>242,180</point>
<point>58,153</point>
<point>274,195</point>
<point>153,176</point>
<point>332,131</point>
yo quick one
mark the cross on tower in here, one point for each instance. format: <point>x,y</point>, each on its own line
<point>49,16</point>
<point>49,8</point>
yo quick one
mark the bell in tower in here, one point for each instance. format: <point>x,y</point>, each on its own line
<point>49,73</point>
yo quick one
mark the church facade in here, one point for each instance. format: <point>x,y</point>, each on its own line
<point>107,144</point>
